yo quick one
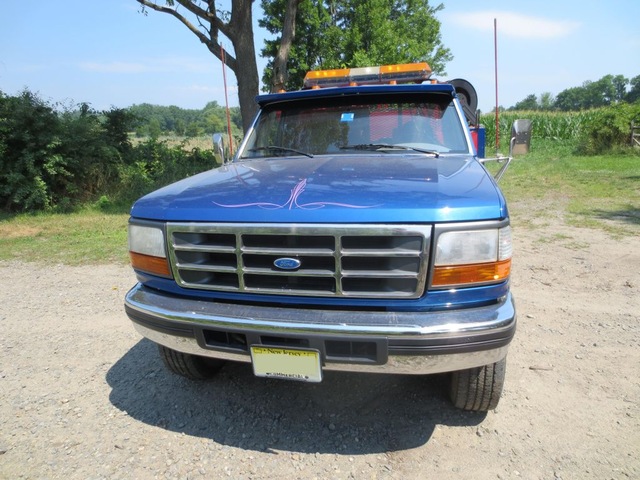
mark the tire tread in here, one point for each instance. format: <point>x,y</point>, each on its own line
<point>478,389</point>
<point>189,366</point>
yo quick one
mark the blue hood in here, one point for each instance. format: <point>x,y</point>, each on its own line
<point>376,188</point>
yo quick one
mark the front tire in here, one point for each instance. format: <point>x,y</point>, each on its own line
<point>190,366</point>
<point>478,389</point>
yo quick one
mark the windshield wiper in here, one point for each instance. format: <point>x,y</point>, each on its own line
<point>280,149</point>
<point>387,146</point>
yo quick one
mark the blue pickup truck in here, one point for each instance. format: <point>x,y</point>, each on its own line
<point>354,229</point>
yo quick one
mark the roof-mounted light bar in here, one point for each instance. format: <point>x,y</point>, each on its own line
<point>389,74</point>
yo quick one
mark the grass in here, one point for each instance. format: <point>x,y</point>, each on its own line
<point>86,237</point>
<point>550,184</point>
<point>553,182</point>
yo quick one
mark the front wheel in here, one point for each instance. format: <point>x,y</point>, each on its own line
<point>190,366</point>
<point>478,389</point>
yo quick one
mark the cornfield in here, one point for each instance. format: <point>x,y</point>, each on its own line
<point>545,125</point>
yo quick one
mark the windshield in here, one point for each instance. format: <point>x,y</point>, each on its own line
<point>344,125</point>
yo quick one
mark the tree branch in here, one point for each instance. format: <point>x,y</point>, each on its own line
<point>238,29</point>
<point>210,15</point>
<point>193,8</point>
<point>211,42</point>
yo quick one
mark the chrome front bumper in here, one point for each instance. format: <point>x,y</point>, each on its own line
<point>403,342</point>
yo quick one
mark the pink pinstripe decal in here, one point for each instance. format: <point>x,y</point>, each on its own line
<point>292,202</point>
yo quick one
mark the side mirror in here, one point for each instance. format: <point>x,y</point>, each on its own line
<point>218,147</point>
<point>501,159</point>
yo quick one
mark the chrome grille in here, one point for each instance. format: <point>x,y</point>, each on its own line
<point>368,261</point>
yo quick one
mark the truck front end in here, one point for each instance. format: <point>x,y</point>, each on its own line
<point>354,230</point>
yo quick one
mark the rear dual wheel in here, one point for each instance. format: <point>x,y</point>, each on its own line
<point>478,389</point>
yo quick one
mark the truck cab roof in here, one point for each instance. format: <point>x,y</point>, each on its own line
<point>309,94</point>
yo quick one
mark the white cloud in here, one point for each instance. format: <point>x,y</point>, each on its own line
<point>515,24</point>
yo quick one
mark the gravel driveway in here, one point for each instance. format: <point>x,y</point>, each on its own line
<point>83,396</point>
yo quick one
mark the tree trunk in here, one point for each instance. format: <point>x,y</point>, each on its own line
<point>247,76</point>
<point>280,74</point>
<point>246,67</point>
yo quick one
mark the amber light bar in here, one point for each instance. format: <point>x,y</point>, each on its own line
<point>385,74</point>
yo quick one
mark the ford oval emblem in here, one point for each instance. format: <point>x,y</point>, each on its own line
<point>287,263</point>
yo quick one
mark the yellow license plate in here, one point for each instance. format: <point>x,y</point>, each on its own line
<point>286,363</point>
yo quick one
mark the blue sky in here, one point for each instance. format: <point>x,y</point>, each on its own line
<point>106,53</point>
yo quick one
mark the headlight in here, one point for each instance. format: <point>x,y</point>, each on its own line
<point>147,250</point>
<point>470,257</point>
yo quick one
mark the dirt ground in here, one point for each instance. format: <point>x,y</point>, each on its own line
<point>83,396</point>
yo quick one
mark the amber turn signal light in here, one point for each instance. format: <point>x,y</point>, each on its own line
<point>478,273</point>
<point>150,264</point>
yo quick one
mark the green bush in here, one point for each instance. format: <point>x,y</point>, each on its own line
<point>58,160</point>
<point>30,147</point>
<point>53,159</point>
<point>156,164</point>
<point>609,129</point>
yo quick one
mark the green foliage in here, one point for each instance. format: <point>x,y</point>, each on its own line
<point>61,159</point>
<point>156,120</point>
<point>609,90</point>
<point>156,164</point>
<point>590,131</point>
<point>154,130</point>
<point>30,161</point>
<point>609,128</point>
<point>355,33</point>
<point>532,102</point>
<point>634,92</point>
<point>57,159</point>
<point>118,122</point>
<point>89,155</point>
<point>529,103</point>
<point>546,101</point>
